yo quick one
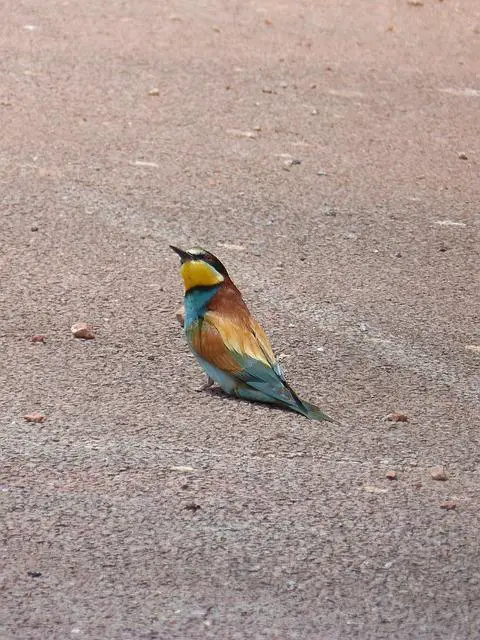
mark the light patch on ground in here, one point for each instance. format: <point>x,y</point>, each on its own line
<point>449,223</point>
<point>466,93</point>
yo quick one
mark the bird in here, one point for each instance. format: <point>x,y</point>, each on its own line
<point>229,344</point>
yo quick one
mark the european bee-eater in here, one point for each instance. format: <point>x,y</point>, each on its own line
<point>227,341</point>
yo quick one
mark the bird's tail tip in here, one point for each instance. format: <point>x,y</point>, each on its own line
<point>315,413</point>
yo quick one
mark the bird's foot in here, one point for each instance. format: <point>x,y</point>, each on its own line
<point>206,386</point>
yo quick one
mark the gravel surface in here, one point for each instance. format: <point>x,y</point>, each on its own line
<point>328,153</point>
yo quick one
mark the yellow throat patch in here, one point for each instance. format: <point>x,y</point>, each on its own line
<point>197,273</point>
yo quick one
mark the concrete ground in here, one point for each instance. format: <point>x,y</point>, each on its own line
<point>328,152</point>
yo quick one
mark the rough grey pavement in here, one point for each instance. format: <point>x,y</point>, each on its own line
<point>141,509</point>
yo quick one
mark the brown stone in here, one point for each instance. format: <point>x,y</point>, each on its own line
<point>82,330</point>
<point>396,417</point>
<point>438,473</point>
<point>34,417</point>
<point>448,505</point>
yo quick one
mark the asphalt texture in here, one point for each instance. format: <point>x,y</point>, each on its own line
<point>328,153</point>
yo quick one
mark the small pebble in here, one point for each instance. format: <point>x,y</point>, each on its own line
<point>82,330</point>
<point>290,163</point>
<point>180,315</point>
<point>462,156</point>
<point>34,417</point>
<point>34,228</point>
<point>391,475</point>
<point>41,339</point>
<point>438,473</point>
<point>192,506</point>
<point>448,505</point>
<point>396,417</point>
<point>154,92</point>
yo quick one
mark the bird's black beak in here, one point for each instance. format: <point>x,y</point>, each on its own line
<point>184,255</point>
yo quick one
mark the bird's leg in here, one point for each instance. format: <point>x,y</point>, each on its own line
<point>210,381</point>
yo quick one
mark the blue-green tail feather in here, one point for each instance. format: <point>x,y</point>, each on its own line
<point>292,401</point>
<point>314,413</point>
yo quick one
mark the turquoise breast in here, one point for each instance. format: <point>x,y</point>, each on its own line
<point>196,303</point>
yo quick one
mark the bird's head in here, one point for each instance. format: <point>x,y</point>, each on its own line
<point>200,268</point>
